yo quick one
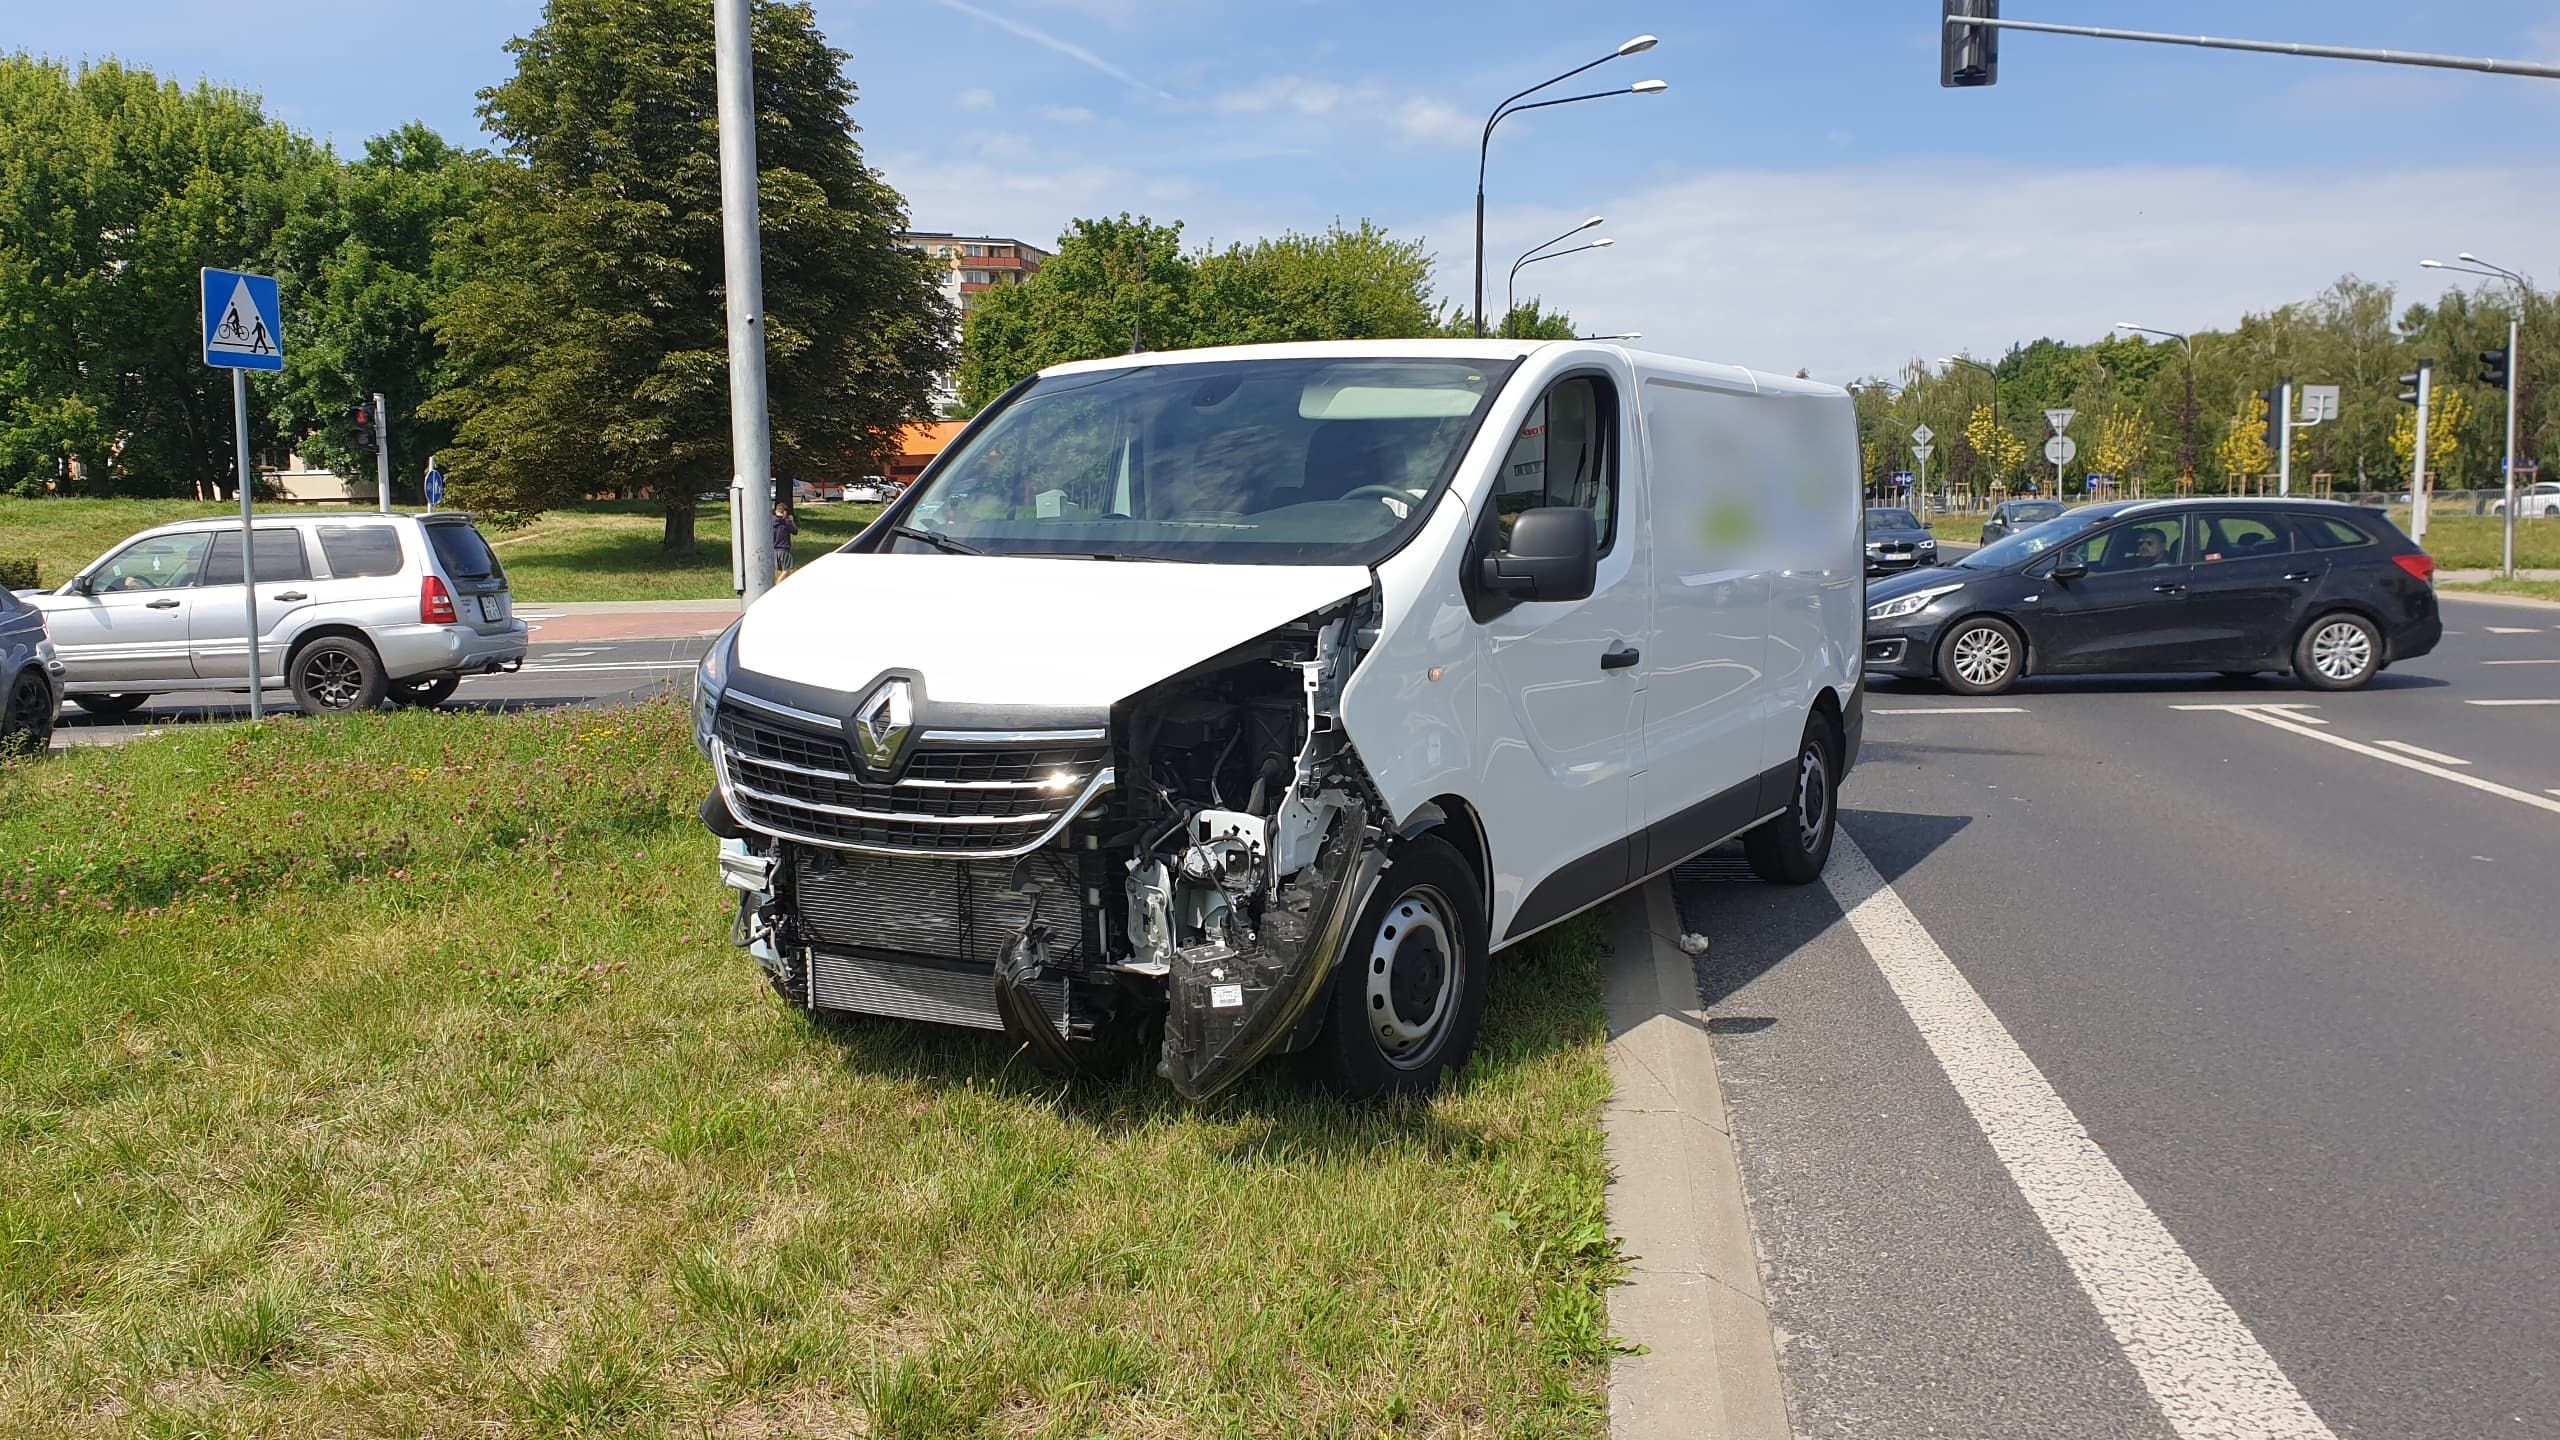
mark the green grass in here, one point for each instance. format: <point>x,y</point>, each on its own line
<point>2531,589</point>
<point>595,552</point>
<point>2473,542</point>
<point>396,1077</point>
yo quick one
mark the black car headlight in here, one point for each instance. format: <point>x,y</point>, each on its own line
<point>710,680</point>
<point>1911,604</point>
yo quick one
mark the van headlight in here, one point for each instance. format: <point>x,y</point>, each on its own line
<point>709,681</point>
<point>1911,604</point>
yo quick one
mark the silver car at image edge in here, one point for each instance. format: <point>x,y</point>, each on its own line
<point>354,608</point>
<point>30,679</point>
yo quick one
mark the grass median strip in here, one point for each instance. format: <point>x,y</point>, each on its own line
<point>395,1076</point>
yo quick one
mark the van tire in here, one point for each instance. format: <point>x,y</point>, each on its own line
<point>1992,650</point>
<point>335,675</point>
<point>1792,847</point>
<point>121,702</point>
<point>1408,998</point>
<point>428,693</point>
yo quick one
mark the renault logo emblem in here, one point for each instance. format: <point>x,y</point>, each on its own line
<point>882,723</point>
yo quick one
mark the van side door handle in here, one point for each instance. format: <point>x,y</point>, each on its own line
<point>159,604</point>
<point>1622,658</point>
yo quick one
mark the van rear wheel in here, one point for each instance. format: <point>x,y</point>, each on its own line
<point>1407,1000</point>
<point>1794,845</point>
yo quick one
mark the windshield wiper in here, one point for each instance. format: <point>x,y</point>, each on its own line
<point>937,540</point>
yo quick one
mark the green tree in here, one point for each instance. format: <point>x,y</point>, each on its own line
<point>2243,453</point>
<point>115,188</point>
<point>2447,413</point>
<point>588,344</point>
<point>369,274</point>
<point>2124,444</point>
<point>1113,285</point>
<point>1999,448</point>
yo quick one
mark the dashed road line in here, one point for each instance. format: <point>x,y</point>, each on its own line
<point>2513,629</point>
<point>2520,662</point>
<point>2203,1367</point>
<point>1955,710</point>
<point>2511,702</point>
<point>2438,756</point>
<point>2291,726</point>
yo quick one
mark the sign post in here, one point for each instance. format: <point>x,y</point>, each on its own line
<point>2061,447</point>
<point>2418,460</point>
<point>382,451</point>
<point>1921,435</point>
<point>244,331</point>
<point>2319,402</point>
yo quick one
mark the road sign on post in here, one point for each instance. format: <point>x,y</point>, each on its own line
<point>435,485</point>
<point>243,330</point>
<point>2060,420</point>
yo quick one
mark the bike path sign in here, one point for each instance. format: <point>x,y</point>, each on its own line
<point>243,323</point>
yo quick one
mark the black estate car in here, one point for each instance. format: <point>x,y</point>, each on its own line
<point>1896,541</point>
<point>2011,516</point>
<point>2330,592</point>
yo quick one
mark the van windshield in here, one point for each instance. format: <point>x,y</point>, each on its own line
<point>1270,462</point>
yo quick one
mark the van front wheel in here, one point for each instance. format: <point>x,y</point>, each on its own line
<point>1409,996</point>
<point>1794,845</point>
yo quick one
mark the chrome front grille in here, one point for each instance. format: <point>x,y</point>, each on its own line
<point>962,794</point>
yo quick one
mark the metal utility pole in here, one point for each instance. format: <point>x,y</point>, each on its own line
<point>2418,482</point>
<point>2284,442</point>
<point>382,451</point>
<point>1964,20</point>
<point>741,231</point>
<point>2515,362</point>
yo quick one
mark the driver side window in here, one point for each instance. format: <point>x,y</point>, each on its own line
<point>163,562</point>
<point>2143,545</point>
<point>1565,454</point>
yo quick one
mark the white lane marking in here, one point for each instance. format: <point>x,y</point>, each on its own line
<point>2285,710</point>
<point>2520,662</point>
<point>2511,702</point>
<point>2405,748</point>
<point>1957,710</point>
<point>2487,787</point>
<point>635,665</point>
<point>2203,1367</point>
<point>2513,629</point>
<point>536,615</point>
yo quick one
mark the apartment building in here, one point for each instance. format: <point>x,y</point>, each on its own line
<point>973,265</point>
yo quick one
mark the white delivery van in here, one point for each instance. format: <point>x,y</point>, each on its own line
<point>1258,697</point>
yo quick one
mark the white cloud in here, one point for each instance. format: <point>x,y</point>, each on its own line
<point>1294,92</point>
<point>1435,122</point>
<point>977,100</point>
<point>1854,271</point>
<point>1065,114</point>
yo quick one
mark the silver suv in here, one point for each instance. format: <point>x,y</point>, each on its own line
<point>353,609</point>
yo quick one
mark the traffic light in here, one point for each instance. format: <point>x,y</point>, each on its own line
<point>2409,388</point>
<point>2493,367</point>
<point>362,417</point>
<point>1969,55</point>
<point>2276,419</point>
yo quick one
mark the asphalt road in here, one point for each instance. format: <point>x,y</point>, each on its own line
<point>558,673</point>
<point>2187,1063</point>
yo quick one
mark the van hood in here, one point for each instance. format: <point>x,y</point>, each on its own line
<point>1020,630</point>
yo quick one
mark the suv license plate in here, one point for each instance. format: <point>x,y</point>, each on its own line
<point>493,607</point>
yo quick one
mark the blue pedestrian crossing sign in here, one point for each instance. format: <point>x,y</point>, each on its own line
<point>243,323</point>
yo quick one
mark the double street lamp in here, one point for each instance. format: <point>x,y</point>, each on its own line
<point>1512,106</point>
<point>2187,418</point>
<point>2474,265</point>
<point>1511,286</point>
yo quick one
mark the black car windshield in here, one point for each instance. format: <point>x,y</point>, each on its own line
<point>1276,462</point>
<point>2033,541</point>
<point>1892,520</point>
<point>2033,512</point>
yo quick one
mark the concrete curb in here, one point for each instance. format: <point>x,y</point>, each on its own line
<point>1692,1301</point>
<point>2482,597</point>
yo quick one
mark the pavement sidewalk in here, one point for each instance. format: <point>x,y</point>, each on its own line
<point>1706,1366</point>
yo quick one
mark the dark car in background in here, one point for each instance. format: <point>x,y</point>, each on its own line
<point>30,679</point>
<point>1897,541</point>
<point>2011,516</point>
<point>2332,593</point>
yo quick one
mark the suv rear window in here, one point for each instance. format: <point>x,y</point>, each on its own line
<point>355,552</point>
<point>464,555</point>
<point>2322,532</point>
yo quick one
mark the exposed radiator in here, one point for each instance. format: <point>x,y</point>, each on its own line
<point>918,990</point>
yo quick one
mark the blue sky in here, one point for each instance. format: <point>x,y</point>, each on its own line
<point>1804,195</point>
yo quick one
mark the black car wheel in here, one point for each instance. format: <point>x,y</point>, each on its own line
<point>1409,996</point>
<point>1981,656</point>
<point>122,702</point>
<point>336,676</point>
<point>426,693</point>
<point>2338,651</point>
<point>26,725</point>
<point>1792,848</point>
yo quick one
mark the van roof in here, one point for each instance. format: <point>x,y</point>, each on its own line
<point>1762,381</point>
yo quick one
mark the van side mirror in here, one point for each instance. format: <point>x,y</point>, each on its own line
<point>2070,565</point>
<point>1554,555</point>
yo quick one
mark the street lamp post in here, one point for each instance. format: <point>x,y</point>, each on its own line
<point>2186,418</point>
<point>2474,265</point>
<point>1952,361</point>
<point>1510,286</point>
<point>1512,106</point>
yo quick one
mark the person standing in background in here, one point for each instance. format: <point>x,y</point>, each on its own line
<point>784,527</point>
